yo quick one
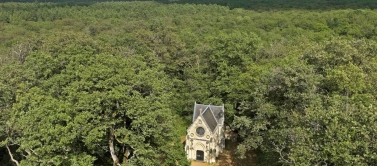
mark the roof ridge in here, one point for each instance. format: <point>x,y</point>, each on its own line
<point>206,108</point>
<point>214,116</point>
<point>211,119</point>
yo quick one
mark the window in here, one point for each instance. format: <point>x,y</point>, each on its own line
<point>200,131</point>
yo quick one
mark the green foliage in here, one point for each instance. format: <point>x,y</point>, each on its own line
<point>298,85</point>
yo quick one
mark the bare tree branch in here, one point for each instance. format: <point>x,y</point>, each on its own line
<point>11,156</point>
<point>281,153</point>
<point>21,51</point>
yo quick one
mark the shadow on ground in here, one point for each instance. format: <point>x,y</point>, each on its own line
<point>230,158</point>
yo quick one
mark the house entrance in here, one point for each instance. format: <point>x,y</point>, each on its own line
<point>199,155</point>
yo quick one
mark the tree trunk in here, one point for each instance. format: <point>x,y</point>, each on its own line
<point>111,147</point>
<point>125,155</point>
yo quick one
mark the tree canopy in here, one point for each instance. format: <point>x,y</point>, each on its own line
<point>114,82</point>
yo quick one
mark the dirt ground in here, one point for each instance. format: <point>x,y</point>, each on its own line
<point>196,163</point>
<point>229,157</point>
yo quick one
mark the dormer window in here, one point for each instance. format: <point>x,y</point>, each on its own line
<point>200,131</point>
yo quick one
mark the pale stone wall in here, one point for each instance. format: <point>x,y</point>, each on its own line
<point>205,143</point>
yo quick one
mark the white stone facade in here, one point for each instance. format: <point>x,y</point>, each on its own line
<point>205,137</point>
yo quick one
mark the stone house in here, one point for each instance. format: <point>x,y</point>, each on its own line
<point>205,137</point>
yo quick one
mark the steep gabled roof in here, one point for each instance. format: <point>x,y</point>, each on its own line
<point>197,109</point>
<point>218,112</point>
<point>212,115</point>
<point>210,119</point>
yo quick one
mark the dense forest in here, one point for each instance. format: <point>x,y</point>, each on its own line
<point>114,83</point>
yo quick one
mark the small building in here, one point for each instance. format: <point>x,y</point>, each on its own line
<point>205,137</point>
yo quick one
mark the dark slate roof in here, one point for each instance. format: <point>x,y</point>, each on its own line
<point>210,119</point>
<point>212,115</point>
<point>197,109</point>
<point>218,112</point>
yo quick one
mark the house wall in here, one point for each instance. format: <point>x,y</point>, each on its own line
<point>203,146</point>
<point>195,142</point>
